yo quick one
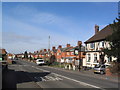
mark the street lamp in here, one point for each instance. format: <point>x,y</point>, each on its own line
<point>79,49</point>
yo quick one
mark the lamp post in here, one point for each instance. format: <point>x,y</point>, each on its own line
<point>79,54</point>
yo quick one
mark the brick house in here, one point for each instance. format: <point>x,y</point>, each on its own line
<point>53,53</point>
<point>10,56</point>
<point>61,52</point>
<point>66,54</point>
<point>94,46</point>
<point>71,57</point>
<point>21,55</point>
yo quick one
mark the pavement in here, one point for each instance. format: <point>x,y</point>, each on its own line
<point>89,73</point>
<point>26,74</point>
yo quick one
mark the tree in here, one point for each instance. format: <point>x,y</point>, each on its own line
<point>30,57</point>
<point>26,55</point>
<point>52,59</point>
<point>114,41</point>
<point>16,56</point>
<point>114,50</point>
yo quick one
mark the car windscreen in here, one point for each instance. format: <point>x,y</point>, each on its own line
<point>97,66</point>
<point>40,60</point>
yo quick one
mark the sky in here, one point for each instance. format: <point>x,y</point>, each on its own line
<point>27,25</point>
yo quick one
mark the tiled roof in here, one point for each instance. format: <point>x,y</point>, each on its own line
<point>72,49</point>
<point>55,50</point>
<point>64,49</point>
<point>101,35</point>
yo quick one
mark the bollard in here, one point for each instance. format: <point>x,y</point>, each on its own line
<point>69,67</point>
<point>65,66</point>
<point>73,67</point>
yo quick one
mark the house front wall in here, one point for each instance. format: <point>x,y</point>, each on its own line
<point>59,55</point>
<point>93,53</point>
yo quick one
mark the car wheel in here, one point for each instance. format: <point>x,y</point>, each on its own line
<point>102,72</point>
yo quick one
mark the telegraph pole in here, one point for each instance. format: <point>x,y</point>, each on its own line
<point>49,42</point>
<point>79,53</point>
<point>49,45</point>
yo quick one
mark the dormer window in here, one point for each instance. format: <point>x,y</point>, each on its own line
<point>92,45</point>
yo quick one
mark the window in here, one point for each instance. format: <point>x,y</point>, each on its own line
<point>109,59</point>
<point>92,45</point>
<point>58,53</point>
<point>88,58</point>
<point>86,47</point>
<point>95,58</point>
<point>103,66</point>
<point>72,53</point>
<point>68,53</point>
<point>101,44</point>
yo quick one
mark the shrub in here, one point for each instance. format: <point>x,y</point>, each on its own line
<point>115,67</point>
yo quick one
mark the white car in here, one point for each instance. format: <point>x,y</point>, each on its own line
<point>40,62</point>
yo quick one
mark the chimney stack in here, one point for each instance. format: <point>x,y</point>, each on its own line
<point>59,46</point>
<point>45,50</point>
<point>79,43</point>
<point>96,29</point>
<point>68,45</point>
<point>40,51</point>
<point>53,48</point>
<point>48,49</point>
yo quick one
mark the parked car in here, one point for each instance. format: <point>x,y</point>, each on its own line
<point>40,62</point>
<point>99,68</point>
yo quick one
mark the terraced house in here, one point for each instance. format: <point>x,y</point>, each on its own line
<point>94,46</point>
<point>66,54</point>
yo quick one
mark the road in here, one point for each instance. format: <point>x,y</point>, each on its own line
<point>26,74</point>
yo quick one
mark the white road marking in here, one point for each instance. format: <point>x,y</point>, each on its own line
<point>48,78</point>
<point>80,82</point>
<point>40,69</point>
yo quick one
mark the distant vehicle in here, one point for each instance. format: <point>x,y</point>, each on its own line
<point>40,62</point>
<point>100,68</point>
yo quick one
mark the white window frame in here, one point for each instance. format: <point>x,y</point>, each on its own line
<point>68,53</point>
<point>102,44</point>
<point>95,58</point>
<point>72,53</point>
<point>92,45</point>
<point>89,57</point>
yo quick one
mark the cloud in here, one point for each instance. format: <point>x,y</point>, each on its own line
<point>44,18</point>
<point>11,37</point>
<point>28,29</point>
<point>19,36</point>
<point>51,21</point>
